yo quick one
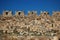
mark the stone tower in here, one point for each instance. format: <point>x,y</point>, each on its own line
<point>19,13</point>
<point>7,13</point>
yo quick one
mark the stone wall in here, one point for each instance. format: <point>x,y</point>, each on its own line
<point>29,27</point>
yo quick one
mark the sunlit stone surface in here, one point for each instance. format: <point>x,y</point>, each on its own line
<point>29,27</point>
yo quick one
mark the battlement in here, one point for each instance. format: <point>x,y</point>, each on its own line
<point>8,13</point>
<point>44,13</point>
<point>19,13</point>
<point>56,13</point>
<point>30,27</point>
<point>32,13</point>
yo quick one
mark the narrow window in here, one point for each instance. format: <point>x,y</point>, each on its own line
<point>44,13</point>
<point>19,13</point>
<point>6,13</point>
<point>32,12</point>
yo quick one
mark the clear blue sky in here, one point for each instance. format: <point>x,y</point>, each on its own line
<point>25,5</point>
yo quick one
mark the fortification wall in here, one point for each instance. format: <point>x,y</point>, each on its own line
<point>30,27</point>
<point>30,13</point>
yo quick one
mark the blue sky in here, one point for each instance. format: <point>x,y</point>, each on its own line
<point>26,5</point>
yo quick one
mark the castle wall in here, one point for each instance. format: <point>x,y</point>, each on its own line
<point>30,13</point>
<point>19,13</point>
<point>56,13</point>
<point>7,13</point>
<point>43,25</point>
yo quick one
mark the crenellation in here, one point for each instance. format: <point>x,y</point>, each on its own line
<point>56,13</point>
<point>22,13</point>
<point>32,13</point>
<point>44,13</point>
<point>30,27</point>
<point>7,13</point>
<point>19,13</point>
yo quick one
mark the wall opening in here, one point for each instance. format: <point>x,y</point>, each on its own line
<point>19,13</point>
<point>44,13</point>
<point>32,12</point>
<point>6,13</point>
